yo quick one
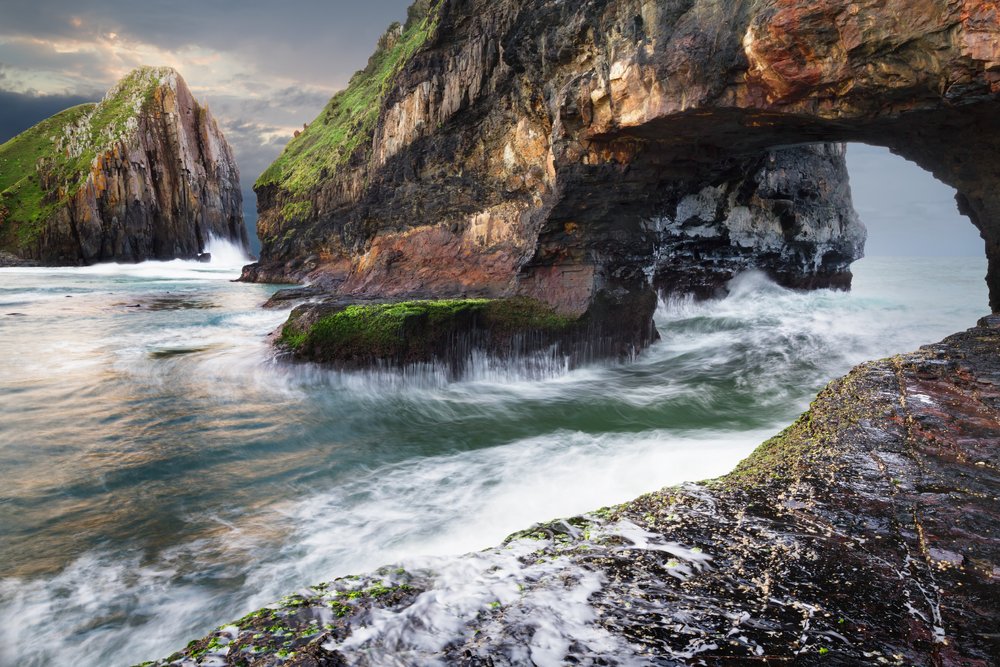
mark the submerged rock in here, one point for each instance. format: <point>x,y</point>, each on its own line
<point>867,533</point>
<point>144,174</point>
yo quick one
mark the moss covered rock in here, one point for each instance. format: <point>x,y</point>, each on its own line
<point>359,335</point>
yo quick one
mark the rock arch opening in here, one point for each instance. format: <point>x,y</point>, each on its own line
<point>678,173</point>
<point>907,212</point>
<point>589,130</point>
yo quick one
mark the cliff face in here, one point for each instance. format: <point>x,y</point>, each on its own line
<point>144,174</point>
<point>550,149</point>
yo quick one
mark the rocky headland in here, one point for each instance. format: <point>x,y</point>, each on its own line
<point>144,174</point>
<point>591,153</point>
<point>573,159</point>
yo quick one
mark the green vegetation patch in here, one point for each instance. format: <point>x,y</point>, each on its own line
<point>349,119</point>
<point>24,204</point>
<point>299,211</point>
<point>44,166</point>
<point>414,330</point>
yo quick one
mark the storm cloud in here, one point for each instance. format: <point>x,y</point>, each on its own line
<point>19,111</point>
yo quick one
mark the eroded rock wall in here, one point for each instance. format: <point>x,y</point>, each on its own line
<point>534,147</point>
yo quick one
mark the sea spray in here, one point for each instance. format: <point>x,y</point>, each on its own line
<point>164,472</point>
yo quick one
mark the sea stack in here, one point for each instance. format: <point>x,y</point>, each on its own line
<point>144,174</point>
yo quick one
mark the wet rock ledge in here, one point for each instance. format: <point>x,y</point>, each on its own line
<point>450,333</point>
<point>867,533</point>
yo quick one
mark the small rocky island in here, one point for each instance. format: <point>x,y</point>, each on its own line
<point>144,174</point>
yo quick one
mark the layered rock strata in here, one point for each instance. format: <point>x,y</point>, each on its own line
<point>551,150</point>
<point>144,174</point>
<point>866,533</point>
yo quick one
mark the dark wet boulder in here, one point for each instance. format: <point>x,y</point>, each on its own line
<point>286,297</point>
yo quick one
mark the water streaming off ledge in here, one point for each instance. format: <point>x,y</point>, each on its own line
<point>163,474</point>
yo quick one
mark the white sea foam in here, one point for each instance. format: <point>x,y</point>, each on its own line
<point>169,474</point>
<point>227,262</point>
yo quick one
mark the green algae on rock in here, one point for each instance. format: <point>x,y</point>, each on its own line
<point>144,174</point>
<point>864,534</point>
<point>422,331</point>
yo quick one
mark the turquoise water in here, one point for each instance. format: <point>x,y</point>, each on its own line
<point>163,473</point>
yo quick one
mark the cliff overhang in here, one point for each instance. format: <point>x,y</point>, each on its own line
<point>556,151</point>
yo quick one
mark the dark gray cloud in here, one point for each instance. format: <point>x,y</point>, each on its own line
<point>19,111</point>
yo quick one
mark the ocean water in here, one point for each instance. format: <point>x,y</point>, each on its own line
<point>163,473</point>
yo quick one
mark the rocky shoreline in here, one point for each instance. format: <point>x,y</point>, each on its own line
<point>8,260</point>
<point>866,533</point>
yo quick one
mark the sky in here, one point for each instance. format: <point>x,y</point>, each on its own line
<point>265,69</point>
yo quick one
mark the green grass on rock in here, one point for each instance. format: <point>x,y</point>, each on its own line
<point>45,166</point>
<point>349,118</point>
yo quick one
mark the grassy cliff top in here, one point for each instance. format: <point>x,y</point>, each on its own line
<point>349,118</point>
<point>48,163</point>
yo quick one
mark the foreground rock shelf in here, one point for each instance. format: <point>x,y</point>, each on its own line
<point>867,533</point>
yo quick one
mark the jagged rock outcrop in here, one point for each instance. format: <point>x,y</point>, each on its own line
<point>144,174</point>
<point>791,216</point>
<point>536,148</point>
<point>865,534</point>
